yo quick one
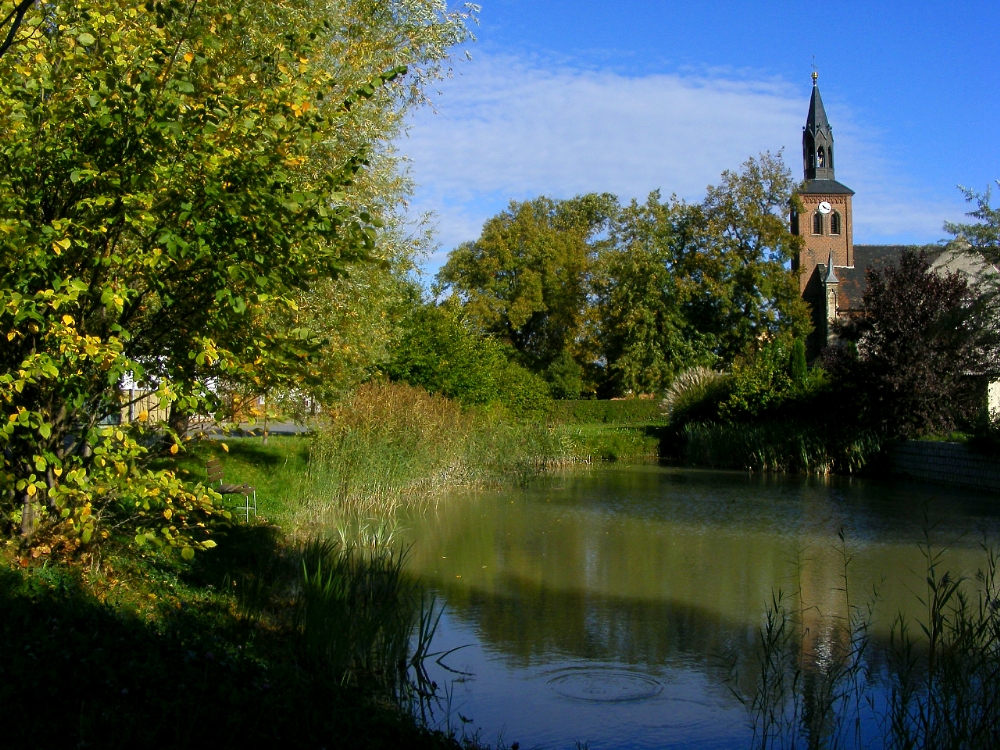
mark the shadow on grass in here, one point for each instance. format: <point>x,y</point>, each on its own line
<point>76,671</point>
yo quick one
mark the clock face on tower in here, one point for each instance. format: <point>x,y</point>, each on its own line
<point>825,207</point>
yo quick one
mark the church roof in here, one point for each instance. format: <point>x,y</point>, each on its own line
<point>824,187</point>
<point>816,119</point>
<point>853,281</point>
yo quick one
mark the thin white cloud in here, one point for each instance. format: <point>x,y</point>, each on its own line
<point>514,129</point>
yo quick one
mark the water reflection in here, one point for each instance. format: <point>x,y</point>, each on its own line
<point>652,576</point>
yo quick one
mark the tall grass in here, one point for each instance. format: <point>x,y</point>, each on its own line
<point>361,617</point>
<point>936,684</point>
<point>393,443</point>
<point>778,445</point>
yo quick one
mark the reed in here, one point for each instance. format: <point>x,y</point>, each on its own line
<point>362,618</point>
<point>936,684</point>
<point>785,445</point>
<point>393,444</point>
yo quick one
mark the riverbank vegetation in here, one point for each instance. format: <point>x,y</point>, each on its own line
<point>936,683</point>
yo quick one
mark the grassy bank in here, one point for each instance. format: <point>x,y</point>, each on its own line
<point>298,628</point>
<point>241,647</point>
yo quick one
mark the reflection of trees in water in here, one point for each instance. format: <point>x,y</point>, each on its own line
<point>676,571</point>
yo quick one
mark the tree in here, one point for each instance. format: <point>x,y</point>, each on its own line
<point>167,177</point>
<point>654,296</point>
<point>12,22</point>
<point>984,234</point>
<point>525,280</point>
<point>684,285</point>
<point>748,237</point>
<point>913,354</point>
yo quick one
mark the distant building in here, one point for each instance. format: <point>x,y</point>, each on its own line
<point>832,269</point>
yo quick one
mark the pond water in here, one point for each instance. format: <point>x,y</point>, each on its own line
<point>602,606</point>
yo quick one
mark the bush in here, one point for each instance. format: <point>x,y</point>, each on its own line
<point>695,395</point>
<point>594,411</point>
<point>440,353</point>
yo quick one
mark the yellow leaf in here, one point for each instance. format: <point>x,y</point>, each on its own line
<point>188,57</point>
<point>167,513</point>
<point>174,448</point>
<point>143,416</point>
<point>67,319</point>
<point>57,471</point>
<point>225,447</point>
<point>31,490</point>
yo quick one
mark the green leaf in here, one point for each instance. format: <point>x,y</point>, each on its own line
<point>187,553</point>
<point>86,39</point>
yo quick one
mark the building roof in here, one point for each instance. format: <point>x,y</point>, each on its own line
<point>853,280</point>
<point>823,187</point>
<point>816,119</point>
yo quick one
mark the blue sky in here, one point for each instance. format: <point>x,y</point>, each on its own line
<point>562,98</point>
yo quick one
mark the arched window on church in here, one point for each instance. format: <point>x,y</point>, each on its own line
<point>817,223</point>
<point>835,223</point>
<point>821,157</point>
<point>795,221</point>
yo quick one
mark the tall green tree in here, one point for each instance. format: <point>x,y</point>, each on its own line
<point>526,279</point>
<point>684,285</point>
<point>654,297</point>
<point>749,240</point>
<point>168,176</point>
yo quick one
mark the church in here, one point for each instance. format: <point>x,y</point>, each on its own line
<point>831,267</point>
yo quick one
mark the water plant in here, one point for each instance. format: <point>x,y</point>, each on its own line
<point>392,443</point>
<point>935,684</point>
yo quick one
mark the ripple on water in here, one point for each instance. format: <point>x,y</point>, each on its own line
<point>604,685</point>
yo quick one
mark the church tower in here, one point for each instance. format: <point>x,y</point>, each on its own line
<point>825,219</point>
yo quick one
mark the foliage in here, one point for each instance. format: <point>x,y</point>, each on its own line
<point>748,230</point>
<point>174,180</point>
<point>912,356</point>
<point>12,22</point>
<point>356,317</point>
<point>392,443</point>
<point>151,202</point>
<point>781,443</point>
<point>525,280</point>
<point>670,286</point>
<point>440,352</point>
<point>984,234</point>
<point>601,411</point>
<point>655,296</point>
<point>765,379</point>
<point>695,395</point>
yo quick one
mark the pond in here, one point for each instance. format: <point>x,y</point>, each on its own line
<point>603,606</point>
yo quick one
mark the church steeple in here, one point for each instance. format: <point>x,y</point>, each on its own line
<point>817,139</point>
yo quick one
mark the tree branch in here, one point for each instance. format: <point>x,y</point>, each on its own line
<point>14,18</point>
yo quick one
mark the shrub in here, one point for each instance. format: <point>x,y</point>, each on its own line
<point>921,336</point>
<point>695,395</point>
<point>440,353</point>
<point>602,411</point>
